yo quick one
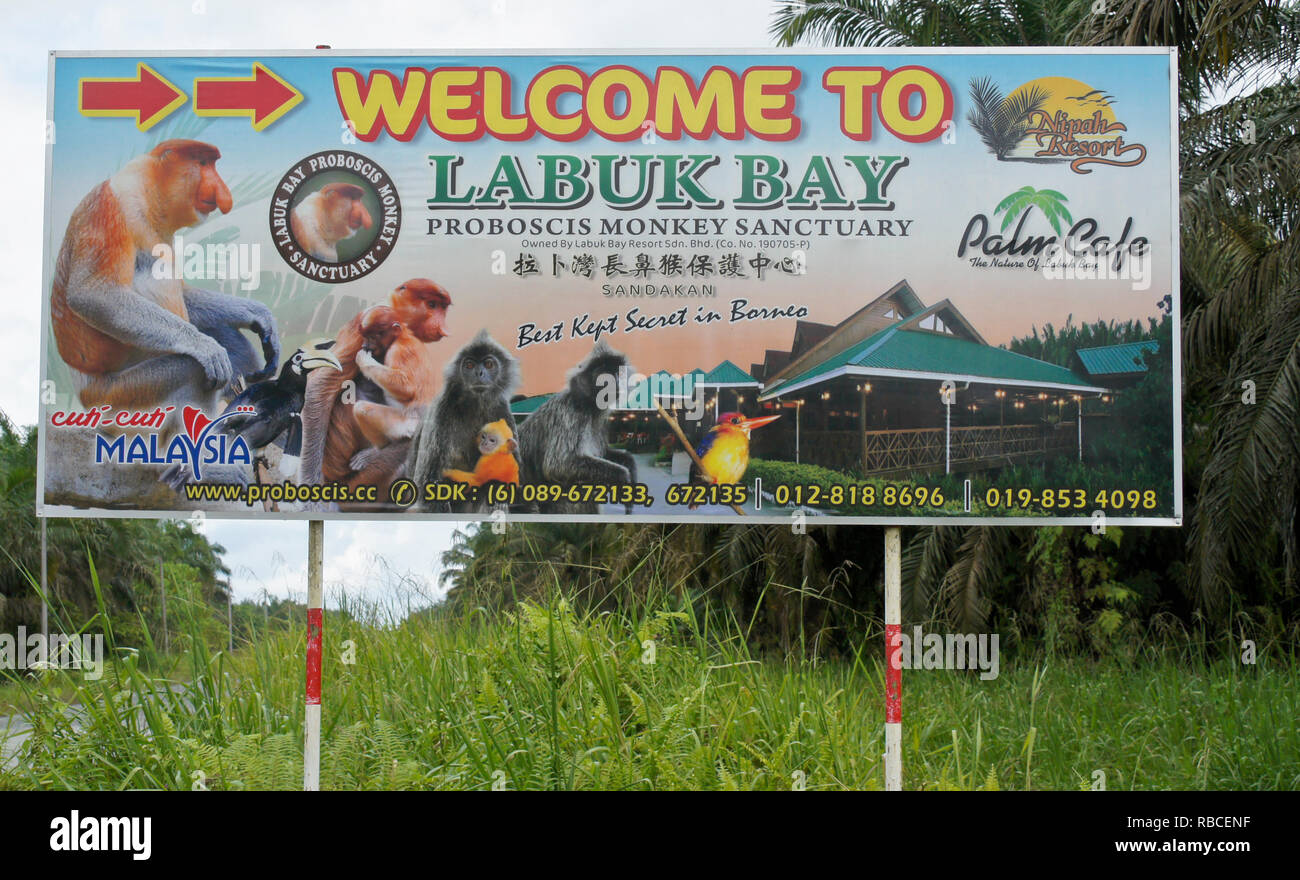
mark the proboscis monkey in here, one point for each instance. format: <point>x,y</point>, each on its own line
<point>496,462</point>
<point>404,369</point>
<point>134,340</point>
<point>330,433</point>
<point>324,218</point>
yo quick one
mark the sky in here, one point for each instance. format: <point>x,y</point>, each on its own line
<point>384,562</point>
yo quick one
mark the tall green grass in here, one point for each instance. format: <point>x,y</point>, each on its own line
<point>653,697</point>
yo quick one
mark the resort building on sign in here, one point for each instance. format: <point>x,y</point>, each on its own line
<point>899,386</point>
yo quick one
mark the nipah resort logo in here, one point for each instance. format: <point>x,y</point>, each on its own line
<point>1052,119</point>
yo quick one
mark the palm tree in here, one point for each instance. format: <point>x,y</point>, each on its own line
<point>926,23</point>
<point>1002,122</point>
<point>124,552</point>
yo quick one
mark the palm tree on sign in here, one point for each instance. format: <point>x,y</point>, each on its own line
<point>1002,121</point>
<point>1240,260</point>
<point>1025,199</point>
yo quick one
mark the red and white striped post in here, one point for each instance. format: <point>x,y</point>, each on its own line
<point>893,660</point>
<point>315,622</point>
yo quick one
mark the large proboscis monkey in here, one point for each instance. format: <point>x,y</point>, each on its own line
<point>134,340</point>
<point>330,433</point>
<point>334,213</point>
<point>404,369</point>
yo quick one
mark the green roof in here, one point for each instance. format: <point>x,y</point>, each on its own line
<point>528,405</point>
<point>921,351</point>
<point>1116,360</point>
<point>664,385</point>
<point>727,373</point>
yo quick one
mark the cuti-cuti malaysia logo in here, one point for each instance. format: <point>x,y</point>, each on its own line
<point>1052,119</point>
<point>197,446</point>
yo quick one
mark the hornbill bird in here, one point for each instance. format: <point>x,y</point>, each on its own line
<point>265,410</point>
<point>724,451</point>
<point>277,403</point>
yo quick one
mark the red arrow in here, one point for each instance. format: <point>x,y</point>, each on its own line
<point>263,97</point>
<point>147,96</point>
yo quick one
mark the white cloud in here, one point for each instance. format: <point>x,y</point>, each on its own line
<point>391,564</point>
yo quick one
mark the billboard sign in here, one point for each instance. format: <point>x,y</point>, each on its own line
<point>873,286</point>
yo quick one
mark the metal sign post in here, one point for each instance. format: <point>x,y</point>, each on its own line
<point>315,619</point>
<point>893,660</point>
<point>162,593</point>
<point>45,591</point>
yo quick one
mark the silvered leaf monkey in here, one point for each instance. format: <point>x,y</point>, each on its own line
<point>496,460</point>
<point>135,340</point>
<point>566,441</point>
<point>476,388</point>
<point>404,370</point>
<point>326,217</point>
<point>330,433</point>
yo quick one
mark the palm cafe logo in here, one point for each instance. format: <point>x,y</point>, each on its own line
<point>1078,248</point>
<point>199,445</point>
<point>1052,119</point>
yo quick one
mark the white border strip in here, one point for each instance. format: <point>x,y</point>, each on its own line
<point>830,519</point>
<point>667,51</point>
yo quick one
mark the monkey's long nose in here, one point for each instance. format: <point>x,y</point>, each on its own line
<point>222,197</point>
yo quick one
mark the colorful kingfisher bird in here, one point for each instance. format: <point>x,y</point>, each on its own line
<point>725,449</point>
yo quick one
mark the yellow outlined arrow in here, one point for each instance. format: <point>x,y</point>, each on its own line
<point>263,97</point>
<point>148,96</point>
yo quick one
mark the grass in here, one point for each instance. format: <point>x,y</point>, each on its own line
<point>545,698</point>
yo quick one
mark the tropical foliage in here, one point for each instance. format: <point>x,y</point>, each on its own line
<point>652,697</point>
<point>1056,345</point>
<point>1025,199</point>
<point>127,554</point>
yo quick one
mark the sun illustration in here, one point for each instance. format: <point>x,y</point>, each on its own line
<point>1076,99</point>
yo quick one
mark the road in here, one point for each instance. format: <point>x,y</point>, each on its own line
<point>14,731</point>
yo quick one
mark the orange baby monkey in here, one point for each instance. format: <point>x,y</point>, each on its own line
<point>496,446</point>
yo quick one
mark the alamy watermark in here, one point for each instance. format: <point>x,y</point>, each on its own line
<point>56,651</point>
<point>179,261</point>
<point>631,391</point>
<point>923,650</point>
